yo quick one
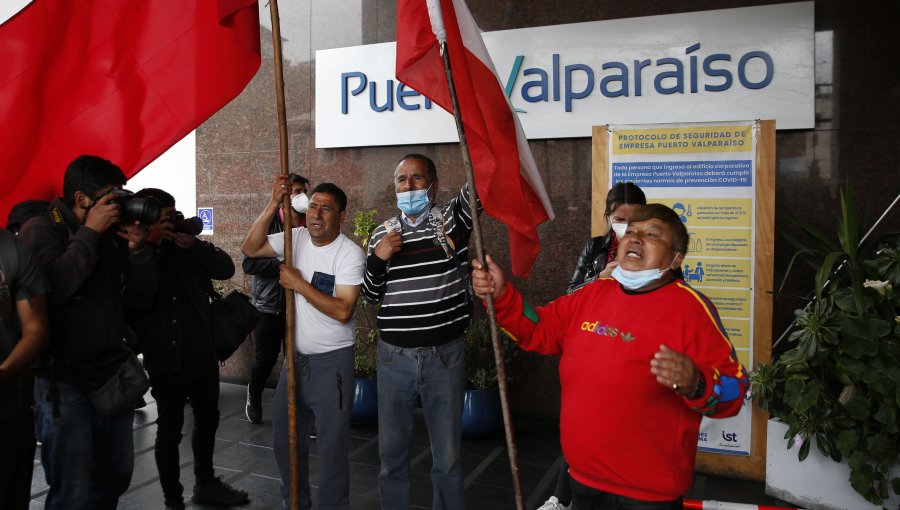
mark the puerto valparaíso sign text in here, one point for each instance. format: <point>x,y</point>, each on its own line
<point>752,62</point>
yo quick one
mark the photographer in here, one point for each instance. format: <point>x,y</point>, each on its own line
<point>23,336</point>
<point>178,353</point>
<point>87,457</point>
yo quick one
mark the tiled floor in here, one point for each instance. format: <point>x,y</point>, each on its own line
<point>244,456</point>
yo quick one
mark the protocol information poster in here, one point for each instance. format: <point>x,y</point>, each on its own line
<point>705,173</point>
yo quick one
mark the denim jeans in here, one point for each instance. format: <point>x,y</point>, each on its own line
<point>436,375</point>
<point>88,458</point>
<point>267,339</point>
<point>170,393</point>
<point>324,395</point>
<point>588,498</point>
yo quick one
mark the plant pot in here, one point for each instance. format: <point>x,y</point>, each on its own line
<point>365,401</point>
<point>481,413</point>
<point>818,482</point>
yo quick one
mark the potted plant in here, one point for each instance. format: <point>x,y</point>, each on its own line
<point>838,385</point>
<point>481,407</point>
<point>365,387</point>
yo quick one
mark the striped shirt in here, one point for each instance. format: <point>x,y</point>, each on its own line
<point>423,292</point>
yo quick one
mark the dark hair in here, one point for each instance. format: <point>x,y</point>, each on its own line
<point>624,193</point>
<point>165,199</point>
<point>339,196</point>
<point>298,178</point>
<point>668,216</point>
<point>88,174</point>
<point>429,164</point>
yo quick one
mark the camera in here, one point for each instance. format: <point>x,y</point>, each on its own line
<point>192,226</point>
<point>146,210</point>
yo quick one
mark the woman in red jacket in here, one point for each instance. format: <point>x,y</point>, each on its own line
<point>643,358</point>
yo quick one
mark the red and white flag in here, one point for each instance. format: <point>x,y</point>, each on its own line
<point>506,176</point>
<point>120,79</point>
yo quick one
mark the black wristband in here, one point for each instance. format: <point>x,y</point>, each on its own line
<point>701,387</point>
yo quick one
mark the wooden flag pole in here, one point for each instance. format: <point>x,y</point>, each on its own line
<point>492,316</point>
<point>290,312</point>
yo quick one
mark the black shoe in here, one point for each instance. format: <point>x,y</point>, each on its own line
<point>175,505</point>
<point>217,492</point>
<point>254,408</point>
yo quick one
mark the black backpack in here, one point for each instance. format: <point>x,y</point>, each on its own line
<point>23,211</point>
<point>9,271</point>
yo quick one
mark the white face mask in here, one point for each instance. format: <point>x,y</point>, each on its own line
<point>619,229</point>
<point>300,202</point>
<point>635,280</point>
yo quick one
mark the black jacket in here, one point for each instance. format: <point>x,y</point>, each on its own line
<point>91,276</point>
<point>591,261</point>
<point>173,329</point>
<point>268,294</point>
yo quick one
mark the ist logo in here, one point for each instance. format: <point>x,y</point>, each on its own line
<point>729,436</point>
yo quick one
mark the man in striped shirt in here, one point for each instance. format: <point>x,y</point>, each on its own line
<point>417,268</point>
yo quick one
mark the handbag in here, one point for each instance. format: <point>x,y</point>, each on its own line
<point>121,391</point>
<point>231,318</point>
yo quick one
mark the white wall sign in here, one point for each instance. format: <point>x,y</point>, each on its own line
<point>206,216</point>
<point>729,64</point>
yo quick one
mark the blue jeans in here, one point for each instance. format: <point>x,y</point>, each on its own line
<point>324,395</point>
<point>88,458</point>
<point>436,375</point>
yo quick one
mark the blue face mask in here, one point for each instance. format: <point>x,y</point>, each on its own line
<point>635,280</point>
<point>413,202</point>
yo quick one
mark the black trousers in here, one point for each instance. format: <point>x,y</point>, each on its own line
<point>17,443</point>
<point>171,393</point>
<point>563,486</point>
<point>588,498</point>
<point>268,337</point>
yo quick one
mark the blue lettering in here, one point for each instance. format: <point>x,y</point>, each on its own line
<point>513,73</point>
<point>571,94</point>
<point>556,77</point>
<point>639,66</point>
<point>402,92</point>
<point>742,67</point>
<point>345,77</point>
<point>622,78</point>
<point>678,74</point>
<point>720,73</point>
<point>541,83</point>
<point>389,101</point>
<point>693,67</point>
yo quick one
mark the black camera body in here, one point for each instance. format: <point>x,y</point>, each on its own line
<point>146,210</point>
<point>192,226</point>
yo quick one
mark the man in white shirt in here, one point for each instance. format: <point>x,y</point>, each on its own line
<point>328,269</point>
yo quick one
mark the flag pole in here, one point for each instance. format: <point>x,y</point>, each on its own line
<point>288,260</point>
<point>492,316</point>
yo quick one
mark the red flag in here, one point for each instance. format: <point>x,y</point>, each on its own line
<point>507,178</point>
<point>121,79</point>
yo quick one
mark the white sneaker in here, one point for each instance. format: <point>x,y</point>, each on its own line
<point>554,504</point>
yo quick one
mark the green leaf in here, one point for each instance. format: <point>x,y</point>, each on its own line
<point>895,484</point>
<point>804,450</point>
<point>887,414</point>
<point>862,479</point>
<point>823,275</point>
<point>878,443</point>
<point>857,408</point>
<point>847,441</point>
<point>825,243</point>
